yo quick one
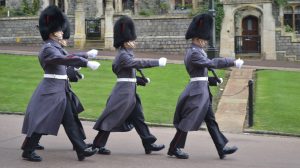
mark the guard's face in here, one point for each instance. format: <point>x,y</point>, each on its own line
<point>58,35</point>
<point>130,44</point>
<point>200,42</point>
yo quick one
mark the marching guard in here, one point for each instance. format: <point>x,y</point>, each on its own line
<point>195,103</point>
<point>123,109</point>
<point>53,102</point>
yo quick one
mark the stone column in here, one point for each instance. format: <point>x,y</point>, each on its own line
<point>172,5</point>
<point>136,7</point>
<point>79,37</point>
<point>268,41</point>
<point>227,33</point>
<point>108,36</point>
<point>195,4</point>
<point>45,3</point>
<point>119,6</point>
<point>66,7</point>
<point>99,4</point>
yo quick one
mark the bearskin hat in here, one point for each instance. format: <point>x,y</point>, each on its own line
<point>124,31</point>
<point>51,20</point>
<point>200,27</point>
<point>66,28</point>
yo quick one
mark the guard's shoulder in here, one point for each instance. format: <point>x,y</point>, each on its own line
<point>195,50</point>
<point>47,45</point>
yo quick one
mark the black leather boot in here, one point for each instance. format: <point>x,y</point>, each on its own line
<point>39,147</point>
<point>31,156</point>
<point>153,147</point>
<point>178,153</point>
<point>226,151</point>
<point>87,152</point>
<point>104,151</point>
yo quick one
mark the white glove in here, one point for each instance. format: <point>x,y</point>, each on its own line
<point>238,63</point>
<point>148,80</point>
<point>92,53</point>
<point>77,69</point>
<point>221,81</point>
<point>162,61</point>
<point>93,65</point>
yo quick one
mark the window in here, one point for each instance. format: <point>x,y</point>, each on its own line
<point>2,2</point>
<point>291,17</point>
<point>183,4</point>
<point>249,24</point>
<point>297,19</point>
<point>128,4</point>
<point>288,16</point>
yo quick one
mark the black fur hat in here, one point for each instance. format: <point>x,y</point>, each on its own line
<point>124,31</point>
<point>51,20</point>
<point>66,28</point>
<point>200,27</point>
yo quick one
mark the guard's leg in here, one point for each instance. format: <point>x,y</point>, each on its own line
<point>28,147</point>
<point>219,139</point>
<point>178,142</point>
<point>138,121</point>
<point>74,133</point>
<point>100,142</point>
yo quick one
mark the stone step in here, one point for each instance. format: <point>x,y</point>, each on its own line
<point>94,44</point>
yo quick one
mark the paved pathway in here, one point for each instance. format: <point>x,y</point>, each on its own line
<point>232,107</point>
<point>127,152</point>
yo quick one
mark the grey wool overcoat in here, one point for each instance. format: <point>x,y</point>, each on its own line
<point>194,101</point>
<point>48,103</point>
<point>123,98</point>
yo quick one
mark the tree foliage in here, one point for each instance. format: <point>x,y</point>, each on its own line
<point>281,2</point>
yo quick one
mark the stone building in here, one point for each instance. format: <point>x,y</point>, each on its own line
<point>257,28</point>
<point>250,28</point>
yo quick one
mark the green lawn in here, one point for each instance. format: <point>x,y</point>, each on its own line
<point>21,75</point>
<point>276,105</point>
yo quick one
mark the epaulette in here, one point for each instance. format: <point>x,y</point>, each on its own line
<point>48,45</point>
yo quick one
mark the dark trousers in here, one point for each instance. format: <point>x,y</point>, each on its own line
<point>73,129</point>
<point>30,143</point>
<point>137,119</point>
<point>218,138</point>
<point>179,140</point>
<point>213,128</point>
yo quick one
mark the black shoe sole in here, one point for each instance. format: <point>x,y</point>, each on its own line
<point>177,156</point>
<point>222,156</point>
<point>149,151</point>
<point>32,160</point>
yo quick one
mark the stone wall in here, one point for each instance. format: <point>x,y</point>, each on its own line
<point>90,9</point>
<point>287,47</point>
<point>13,3</point>
<point>158,34</point>
<point>162,34</point>
<point>23,31</point>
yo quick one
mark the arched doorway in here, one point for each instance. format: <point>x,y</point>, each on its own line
<point>250,35</point>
